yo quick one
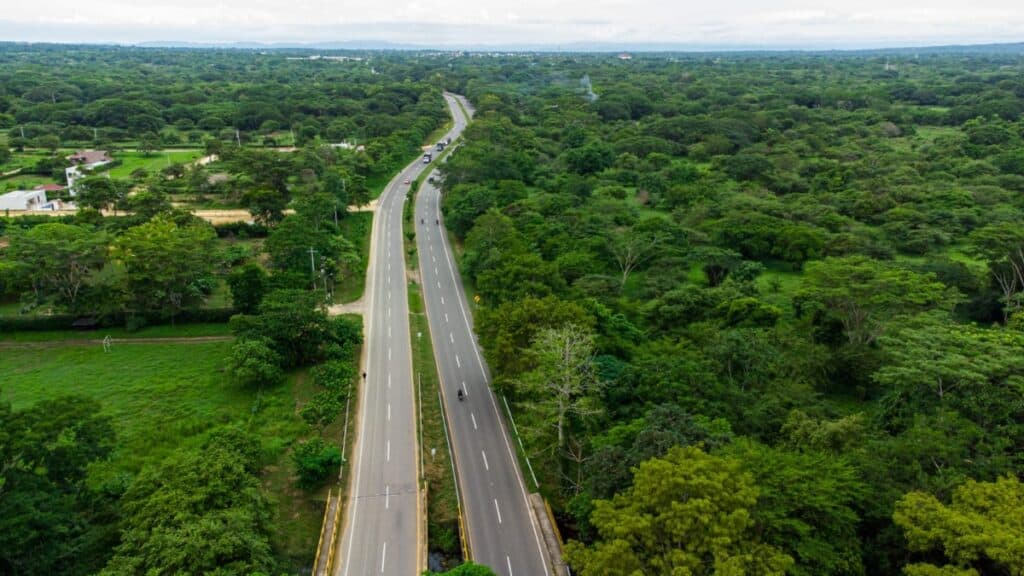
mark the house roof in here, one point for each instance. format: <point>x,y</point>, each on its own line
<point>50,187</point>
<point>90,157</point>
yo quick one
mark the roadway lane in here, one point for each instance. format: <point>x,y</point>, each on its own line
<point>501,530</point>
<point>381,530</point>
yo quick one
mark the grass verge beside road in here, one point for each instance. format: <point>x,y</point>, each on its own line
<point>166,396</point>
<point>442,503</point>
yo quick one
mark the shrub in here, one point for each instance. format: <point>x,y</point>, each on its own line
<point>253,361</point>
<point>314,461</point>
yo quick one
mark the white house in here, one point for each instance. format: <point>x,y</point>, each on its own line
<point>21,200</point>
<point>87,159</point>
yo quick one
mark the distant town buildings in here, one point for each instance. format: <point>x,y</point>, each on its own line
<point>26,200</point>
<point>84,160</point>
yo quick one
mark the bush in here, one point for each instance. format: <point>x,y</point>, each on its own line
<point>248,285</point>
<point>323,408</point>
<point>253,361</point>
<point>240,230</point>
<point>30,323</point>
<point>334,375</point>
<point>315,461</point>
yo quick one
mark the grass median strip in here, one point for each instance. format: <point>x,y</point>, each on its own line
<point>442,502</point>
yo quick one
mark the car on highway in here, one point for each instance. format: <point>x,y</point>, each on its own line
<point>406,181</point>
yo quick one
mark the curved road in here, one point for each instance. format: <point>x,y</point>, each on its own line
<point>382,523</point>
<point>501,529</point>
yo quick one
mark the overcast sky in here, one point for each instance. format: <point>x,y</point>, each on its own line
<point>707,23</point>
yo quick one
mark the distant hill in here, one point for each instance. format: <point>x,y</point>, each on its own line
<point>1006,48</point>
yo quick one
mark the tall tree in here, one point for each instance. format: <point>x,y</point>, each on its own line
<point>1002,246</point>
<point>57,259</point>
<point>864,294</point>
<point>199,512</point>
<point>686,513</point>
<point>980,532</point>
<point>562,387</point>
<point>101,193</point>
<point>632,248</point>
<point>807,506</point>
<point>167,267</point>
<point>50,520</point>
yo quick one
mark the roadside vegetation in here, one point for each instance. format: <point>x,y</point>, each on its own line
<point>787,286</point>
<point>211,450</point>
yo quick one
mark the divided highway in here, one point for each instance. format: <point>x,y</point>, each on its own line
<point>382,522</point>
<point>501,530</point>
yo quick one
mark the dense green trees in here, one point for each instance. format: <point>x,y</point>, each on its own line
<point>200,511</point>
<point>865,295</point>
<point>686,513</point>
<point>51,520</point>
<point>167,267</point>
<point>56,260</point>
<point>804,270</point>
<point>978,533</point>
<point>807,265</point>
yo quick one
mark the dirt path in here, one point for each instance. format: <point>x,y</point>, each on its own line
<point>11,344</point>
<point>348,308</point>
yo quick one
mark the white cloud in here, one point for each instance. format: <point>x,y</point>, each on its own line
<point>727,22</point>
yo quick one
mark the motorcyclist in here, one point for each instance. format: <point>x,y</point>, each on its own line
<point>461,394</point>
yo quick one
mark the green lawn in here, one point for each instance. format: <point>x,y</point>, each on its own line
<point>21,159</point>
<point>23,182</point>
<point>157,398</point>
<point>130,161</point>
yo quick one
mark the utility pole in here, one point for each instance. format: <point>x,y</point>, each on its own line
<point>312,266</point>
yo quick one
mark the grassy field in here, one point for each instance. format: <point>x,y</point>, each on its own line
<point>166,396</point>
<point>442,505</point>
<point>23,182</point>
<point>131,161</point>
<point>21,159</point>
<point>356,228</point>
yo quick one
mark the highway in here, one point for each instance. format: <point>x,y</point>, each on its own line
<point>382,522</point>
<point>501,531</point>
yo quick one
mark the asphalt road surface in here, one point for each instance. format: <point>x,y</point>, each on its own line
<point>501,530</point>
<point>381,531</point>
